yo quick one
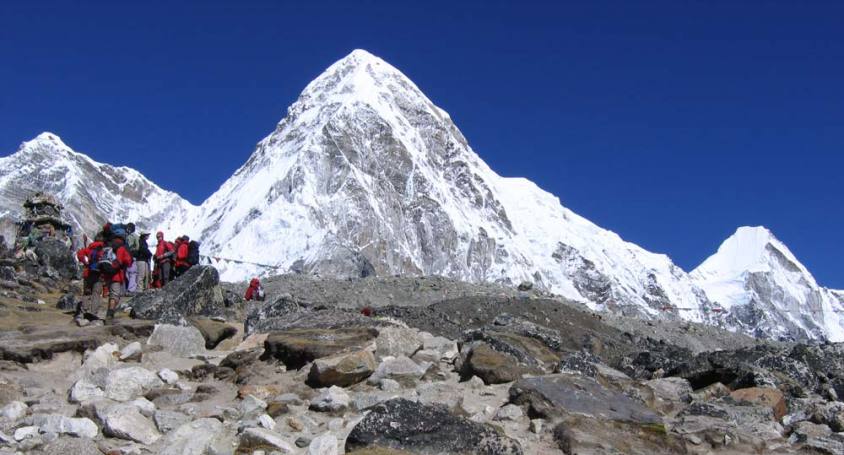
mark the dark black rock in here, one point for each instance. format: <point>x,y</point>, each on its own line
<point>405,425</point>
<point>67,302</point>
<point>7,273</point>
<point>196,293</point>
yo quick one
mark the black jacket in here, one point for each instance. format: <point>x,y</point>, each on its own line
<point>143,253</point>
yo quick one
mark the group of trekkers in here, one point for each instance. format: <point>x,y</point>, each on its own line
<point>119,261</point>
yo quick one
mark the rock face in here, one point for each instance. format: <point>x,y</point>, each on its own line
<point>285,314</point>
<point>404,425</point>
<point>196,293</point>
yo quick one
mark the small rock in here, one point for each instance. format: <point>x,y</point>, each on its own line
<point>325,444</point>
<point>258,438</point>
<point>83,390</point>
<point>302,442</point>
<point>389,385</point>
<point>14,410</point>
<point>126,422</point>
<point>25,433</point>
<point>167,421</point>
<point>251,404</point>
<point>525,286</point>
<point>401,369</point>
<point>105,356</point>
<point>266,421</point>
<point>331,399</point>
<point>128,383</point>
<point>146,407</point>
<point>168,376</point>
<point>295,424</point>
<point>509,412</point>
<point>536,425</point>
<point>131,351</point>
<point>342,370</point>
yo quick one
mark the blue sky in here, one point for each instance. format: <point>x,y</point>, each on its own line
<point>671,123</point>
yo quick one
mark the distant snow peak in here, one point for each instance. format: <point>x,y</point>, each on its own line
<point>768,291</point>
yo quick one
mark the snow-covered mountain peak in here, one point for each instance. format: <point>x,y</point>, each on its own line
<point>749,250</point>
<point>767,290</point>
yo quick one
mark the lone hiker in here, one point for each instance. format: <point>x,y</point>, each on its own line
<point>255,291</point>
<point>163,255</point>
<point>114,261</point>
<point>142,258</point>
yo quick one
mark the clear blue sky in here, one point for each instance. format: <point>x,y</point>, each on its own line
<point>669,122</point>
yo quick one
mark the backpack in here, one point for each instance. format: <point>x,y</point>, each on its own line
<point>93,258</point>
<point>107,261</point>
<point>193,252</point>
<point>119,230</point>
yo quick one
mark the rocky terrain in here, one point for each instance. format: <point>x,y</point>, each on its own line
<point>439,367</point>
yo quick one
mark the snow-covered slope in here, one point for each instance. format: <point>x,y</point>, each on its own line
<point>366,173</point>
<point>767,291</point>
<point>91,192</point>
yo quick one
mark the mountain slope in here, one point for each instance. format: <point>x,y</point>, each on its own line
<point>366,174</point>
<point>767,291</point>
<point>91,192</point>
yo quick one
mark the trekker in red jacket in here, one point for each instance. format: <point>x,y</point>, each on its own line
<point>163,256</point>
<point>255,291</point>
<point>115,277</point>
<point>182,265</point>
<point>92,288</point>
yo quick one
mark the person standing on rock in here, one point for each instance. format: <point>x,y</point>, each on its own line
<point>163,255</point>
<point>132,241</point>
<point>112,266</point>
<point>142,258</point>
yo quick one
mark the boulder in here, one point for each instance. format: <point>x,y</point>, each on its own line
<point>54,254</point>
<point>196,293</point>
<point>126,384</point>
<point>401,424</point>
<point>397,341</point>
<point>491,366</point>
<point>131,351</point>
<point>444,348</point>
<point>342,370</point>
<point>260,438</point>
<point>59,424</point>
<point>532,353</point>
<point>286,314</point>
<point>168,376</point>
<point>84,390</point>
<point>401,369</point>
<point>213,331</point>
<point>771,398</point>
<point>563,394</point>
<point>180,341</point>
<point>126,422</point>
<point>332,399</point>
<point>167,421</point>
<point>297,347</point>
<point>192,438</point>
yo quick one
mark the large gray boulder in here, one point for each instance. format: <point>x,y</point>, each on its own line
<point>416,428</point>
<point>180,341</point>
<point>562,395</point>
<point>197,292</point>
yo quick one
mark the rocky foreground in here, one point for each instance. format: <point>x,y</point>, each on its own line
<point>440,368</point>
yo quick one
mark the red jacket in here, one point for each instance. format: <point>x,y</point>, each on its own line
<point>252,290</point>
<point>125,261</point>
<point>163,248</point>
<point>182,255</point>
<point>84,257</point>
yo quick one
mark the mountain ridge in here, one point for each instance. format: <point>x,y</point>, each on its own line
<point>365,175</point>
